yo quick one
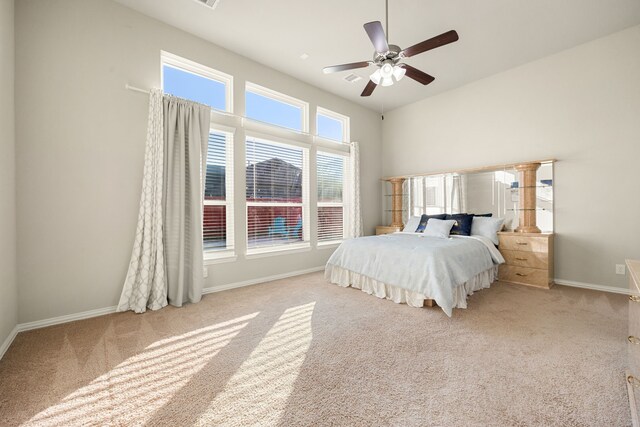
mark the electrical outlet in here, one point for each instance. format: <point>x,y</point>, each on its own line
<point>620,269</point>
<point>205,272</point>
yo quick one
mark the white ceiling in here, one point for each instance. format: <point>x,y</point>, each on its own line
<point>495,35</point>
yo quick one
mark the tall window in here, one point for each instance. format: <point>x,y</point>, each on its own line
<point>331,125</point>
<point>190,80</point>
<point>276,201</point>
<point>331,206</point>
<point>218,195</point>
<point>269,106</point>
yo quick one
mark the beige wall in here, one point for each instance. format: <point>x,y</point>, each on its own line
<point>8,279</point>
<point>81,146</point>
<point>581,106</point>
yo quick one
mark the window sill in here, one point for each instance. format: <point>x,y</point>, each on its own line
<point>273,251</point>
<point>329,244</point>
<point>214,257</point>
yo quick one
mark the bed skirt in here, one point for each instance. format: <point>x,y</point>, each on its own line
<point>346,278</point>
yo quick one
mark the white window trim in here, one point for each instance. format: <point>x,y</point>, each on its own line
<point>345,204</point>
<point>306,215</point>
<point>346,125</point>
<point>280,97</point>
<point>183,64</point>
<point>329,244</point>
<point>268,251</point>
<point>229,251</point>
<point>274,139</point>
<point>217,257</point>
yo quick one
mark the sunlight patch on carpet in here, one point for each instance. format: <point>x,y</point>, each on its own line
<point>143,383</point>
<point>258,393</point>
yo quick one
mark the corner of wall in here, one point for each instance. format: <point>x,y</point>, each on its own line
<point>8,265</point>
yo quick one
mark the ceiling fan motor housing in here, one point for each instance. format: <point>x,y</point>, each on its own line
<point>393,54</point>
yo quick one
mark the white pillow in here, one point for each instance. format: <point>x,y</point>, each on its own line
<point>487,227</point>
<point>439,227</point>
<point>412,224</point>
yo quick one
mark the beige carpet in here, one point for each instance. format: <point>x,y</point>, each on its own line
<point>302,352</point>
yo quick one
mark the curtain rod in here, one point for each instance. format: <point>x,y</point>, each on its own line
<point>226,113</point>
<point>135,89</point>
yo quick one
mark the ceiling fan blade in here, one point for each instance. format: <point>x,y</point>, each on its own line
<point>343,67</point>
<point>376,34</point>
<point>432,43</point>
<point>368,89</point>
<point>417,75</point>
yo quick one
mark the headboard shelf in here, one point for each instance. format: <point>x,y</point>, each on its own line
<point>470,170</point>
<point>521,192</point>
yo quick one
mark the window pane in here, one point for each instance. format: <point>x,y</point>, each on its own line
<point>214,227</point>
<point>269,110</point>
<point>330,128</point>
<point>330,223</point>
<point>274,173</point>
<point>216,217</point>
<point>274,225</point>
<point>194,87</point>
<point>330,178</point>
<point>215,182</point>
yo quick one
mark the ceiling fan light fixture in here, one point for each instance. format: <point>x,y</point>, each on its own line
<point>399,72</point>
<point>386,71</point>
<point>387,81</point>
<point>376,77</point>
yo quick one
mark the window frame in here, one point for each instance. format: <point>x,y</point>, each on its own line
<point>230,250</point>
<point>345,120</point>
<point>282,98</point>
<point>192,67</point>
<point>345,204</point>
<point>305,244</point>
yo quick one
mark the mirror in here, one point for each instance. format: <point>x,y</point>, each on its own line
<point>496,191</point>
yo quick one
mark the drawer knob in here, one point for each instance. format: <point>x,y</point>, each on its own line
<point>521,259</point>
<point>521,275</point>
<point>634,298</point>
<point>634,340</point>
<point>633,381</point>
<point>522,243</point>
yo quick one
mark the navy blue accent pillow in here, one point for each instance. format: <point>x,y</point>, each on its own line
<point>485,215</point>
<point>425,219</point>
<point>462,227</point>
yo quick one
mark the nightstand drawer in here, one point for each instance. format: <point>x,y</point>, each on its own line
<point>513,242</point>
<point>386,229</point>
<point>526,259</point>
<point>524,275</point>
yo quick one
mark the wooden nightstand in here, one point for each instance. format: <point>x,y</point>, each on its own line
<point>386,229</point>
<point>528,258</point>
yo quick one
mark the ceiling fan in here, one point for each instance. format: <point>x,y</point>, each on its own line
<point>388,57</point>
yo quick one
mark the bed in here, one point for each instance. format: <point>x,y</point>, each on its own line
<point>413,268</point>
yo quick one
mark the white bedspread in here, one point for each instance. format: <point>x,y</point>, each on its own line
<point>427,265</point>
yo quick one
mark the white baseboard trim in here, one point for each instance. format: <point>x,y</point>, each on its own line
<point>64,319</point>
<point>108,310</point>
<point>7,342</point>
<point>21,327</point>
<point>235,285</point>
<point>591,286</point>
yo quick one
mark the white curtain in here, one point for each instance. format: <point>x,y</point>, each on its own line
<point>186,136</point>
<point>145,284</point>
<point>458,194</point>
<point>355,222</point>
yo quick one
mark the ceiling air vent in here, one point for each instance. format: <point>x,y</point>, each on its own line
<point>210,3</point>
<point>352,78</point>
